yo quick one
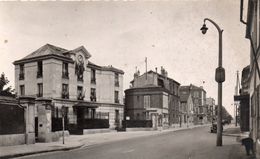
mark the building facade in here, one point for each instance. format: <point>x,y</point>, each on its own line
<point>68,79</point>
<point>242,101</point>
<point>186,107</point>
<point>153,96</point>
<point>252,23</point>
<point>198,95</point>
<point>211,107</point>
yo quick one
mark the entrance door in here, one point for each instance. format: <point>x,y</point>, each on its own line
<point>36,127</point>
<point>80,118</point>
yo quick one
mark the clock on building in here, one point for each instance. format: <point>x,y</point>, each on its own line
<point>80,59</point>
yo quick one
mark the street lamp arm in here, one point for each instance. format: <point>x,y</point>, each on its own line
<point>215,24</point>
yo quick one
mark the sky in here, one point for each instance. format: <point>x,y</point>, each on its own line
<point>123,33</point>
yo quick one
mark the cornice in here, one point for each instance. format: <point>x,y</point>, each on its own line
<point>44,57</point>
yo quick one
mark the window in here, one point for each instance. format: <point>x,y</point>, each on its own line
<point>22,90</point>
<point>116,80</point>
<point>80,93</point>
<point>65,91</point>
<point>39,69</point>
<point>196,94</point>
<point>65,70</point>
<point>21,74</point>
<point>116,97</point>
<point>40,90</point>
<point>93,76</point>
<point>160,83</point>
<point>93,95</point>
<point>146,101</point>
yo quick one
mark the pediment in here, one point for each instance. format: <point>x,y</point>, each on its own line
<point>82,50</point>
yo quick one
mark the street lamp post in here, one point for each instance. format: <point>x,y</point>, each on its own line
<point>219,77</point>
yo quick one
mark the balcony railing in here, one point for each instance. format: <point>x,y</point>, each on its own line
<point>21,76</point>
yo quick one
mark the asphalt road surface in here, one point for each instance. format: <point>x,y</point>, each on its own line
<point>195,143</point>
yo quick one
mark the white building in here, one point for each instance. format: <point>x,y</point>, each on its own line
<point>69,79</point>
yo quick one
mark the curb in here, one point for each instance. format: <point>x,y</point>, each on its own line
<point>41,151</point>
<point>233,135</point>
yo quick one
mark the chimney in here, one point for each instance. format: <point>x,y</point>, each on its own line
<point>156,69</point>
<point>162,71</point>
<point>136,74</point>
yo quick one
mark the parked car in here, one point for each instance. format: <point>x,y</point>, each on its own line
<point>213,128</point>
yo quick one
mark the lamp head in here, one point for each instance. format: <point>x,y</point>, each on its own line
<point>204,29</point>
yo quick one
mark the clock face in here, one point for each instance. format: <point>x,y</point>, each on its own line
<point>80,59</point>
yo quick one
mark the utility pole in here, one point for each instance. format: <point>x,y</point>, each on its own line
<point>145,67</point>
<point>219,77</point>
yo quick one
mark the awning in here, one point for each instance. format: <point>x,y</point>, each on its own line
<point>86,105</point>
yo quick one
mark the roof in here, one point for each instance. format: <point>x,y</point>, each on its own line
<point>49,50</point>
<point>105,68</point>
<point>191,87</point>
<point>147,88</point>
<point>46,51</point>
<point>151,71</point>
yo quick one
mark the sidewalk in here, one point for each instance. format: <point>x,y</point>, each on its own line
<point>237,150</point>
<point>232,130</point>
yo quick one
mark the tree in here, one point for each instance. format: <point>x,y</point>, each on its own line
<point>3,82</point>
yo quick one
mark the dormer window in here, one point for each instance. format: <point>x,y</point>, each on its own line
<point>39,69</point>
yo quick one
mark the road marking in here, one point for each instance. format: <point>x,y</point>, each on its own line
<point>128,151</point>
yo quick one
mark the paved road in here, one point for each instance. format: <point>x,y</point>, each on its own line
<point>195,143</point>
